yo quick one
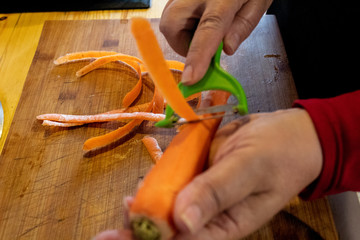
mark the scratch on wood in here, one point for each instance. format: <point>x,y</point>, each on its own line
<point>34,227</point>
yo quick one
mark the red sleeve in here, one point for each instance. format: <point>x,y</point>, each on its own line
<point>337,122</point>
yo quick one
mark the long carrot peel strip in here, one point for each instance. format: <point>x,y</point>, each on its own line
<point>184,158</point>
<point>65,118</point>
<point>152,147</point>
<point>70,57</point>
<point>106,59</point>
<point>134,93</point>
<point>103,140</point>
<point>60,124</point>
<point>155,63</point>
<point>127,59</point>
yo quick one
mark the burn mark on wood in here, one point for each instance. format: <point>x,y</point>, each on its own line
<point>67,96</point>
<point>111,43</point>
<point>272,56</point>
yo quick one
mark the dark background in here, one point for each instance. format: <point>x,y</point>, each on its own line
<point>70,5</point>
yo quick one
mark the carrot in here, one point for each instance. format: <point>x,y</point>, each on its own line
<point>60,124</point>
<point>136,108</point>
<point>129,60</point>
<point>155,63</point>
<point>134,93</point>
<point>192,97</point>
<point>67,118</point>
<point>106,59</point>
<point>140,107</point>
<point>184,158</point>
<point>101,141</point>
<point>153,148</point>
<point>70,57</point>
<point>175,65</point>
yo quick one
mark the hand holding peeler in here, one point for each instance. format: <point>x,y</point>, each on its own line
<point>216,78</point>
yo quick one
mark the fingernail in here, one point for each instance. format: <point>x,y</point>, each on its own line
<point>187,75</point>
<point>191,218</point>
<point>232,42</point>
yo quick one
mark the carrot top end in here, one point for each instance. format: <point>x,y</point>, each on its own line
<point>145,229</point>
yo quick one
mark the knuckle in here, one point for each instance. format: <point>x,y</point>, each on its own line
<point>211,21</point>
<point>244,23</point>
<point>209,194</point>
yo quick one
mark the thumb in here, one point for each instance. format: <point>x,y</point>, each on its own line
<point>213,24</point>
<point>218,188</point>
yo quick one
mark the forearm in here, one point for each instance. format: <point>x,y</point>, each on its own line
<point>337,122</point>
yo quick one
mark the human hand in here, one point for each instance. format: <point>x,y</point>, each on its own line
<point>259,163</point>
<point>206,23</point>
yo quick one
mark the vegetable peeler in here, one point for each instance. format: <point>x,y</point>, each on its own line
<point>216,78</point>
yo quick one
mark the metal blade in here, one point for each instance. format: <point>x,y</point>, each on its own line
<point>1,119</point>
<point>217,111</point>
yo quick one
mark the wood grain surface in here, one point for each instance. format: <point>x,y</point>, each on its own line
<point>20,34</point>
<point>50,188</point>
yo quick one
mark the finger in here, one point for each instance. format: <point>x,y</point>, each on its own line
<point>178,23</point>
<point>215,190</point>
<point>114,235</point>
<point>127,202</point>
<point>244,23</point>
<point>241,219</point>
<point>214,23</point>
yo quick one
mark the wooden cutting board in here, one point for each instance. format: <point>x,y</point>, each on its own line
<point>50,188</point>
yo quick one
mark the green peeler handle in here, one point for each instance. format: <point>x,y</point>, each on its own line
<point>215,78</point>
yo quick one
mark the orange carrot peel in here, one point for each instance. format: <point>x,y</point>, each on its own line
<point>67,118</point>
<point>150,111</point>
<point>155,63</point>
<point>86,55</point>
<point>152,147</point>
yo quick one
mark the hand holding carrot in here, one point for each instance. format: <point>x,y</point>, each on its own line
<point>260,162</point>
<point>206,23</point>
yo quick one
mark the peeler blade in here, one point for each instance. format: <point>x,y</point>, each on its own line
<point>216,111</point>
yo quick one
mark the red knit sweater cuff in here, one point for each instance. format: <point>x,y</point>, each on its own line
<point>322,116</point>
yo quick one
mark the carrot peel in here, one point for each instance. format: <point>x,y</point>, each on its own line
<point>156,64</point>
<point>153,148</point>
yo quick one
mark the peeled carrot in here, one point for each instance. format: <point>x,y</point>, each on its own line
<point>153,148</point>
<point>82,56</point>
<point>185,157</point>
<point>154,61</point>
